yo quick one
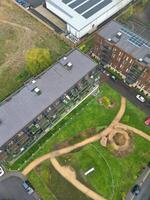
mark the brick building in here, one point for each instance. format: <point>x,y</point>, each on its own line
<point>34,109</point>
<point>125,52</point>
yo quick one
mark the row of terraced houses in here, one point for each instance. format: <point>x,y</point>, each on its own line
<point>126,53</point>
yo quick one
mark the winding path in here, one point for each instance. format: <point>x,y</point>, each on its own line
<point>62,171</point>
<point>90,140</point>
<point>72,179</point>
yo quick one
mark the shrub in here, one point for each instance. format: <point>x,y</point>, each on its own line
<point>37,59</point>
<point>106,101</point>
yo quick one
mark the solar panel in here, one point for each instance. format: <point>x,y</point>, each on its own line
<point>87,5</point>
<point>96,8</point>
<point>66,1</point>
<point>76,3</point>
<point>135,39</point>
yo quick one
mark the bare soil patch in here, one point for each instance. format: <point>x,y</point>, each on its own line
<point>119,139</point>
<point>120,143</point>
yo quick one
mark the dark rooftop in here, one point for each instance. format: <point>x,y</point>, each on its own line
<point>19,109</point>
<point>126,40</point>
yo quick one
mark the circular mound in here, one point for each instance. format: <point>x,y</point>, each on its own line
<point>119,139</point>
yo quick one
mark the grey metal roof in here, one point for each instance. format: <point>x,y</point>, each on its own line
<point>137,50</point>
<point>24,106</point>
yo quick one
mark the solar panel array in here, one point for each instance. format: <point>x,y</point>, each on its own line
<point>87,8</point>
<point>135,39</point>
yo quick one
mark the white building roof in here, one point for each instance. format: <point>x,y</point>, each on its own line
<point>80,13</point>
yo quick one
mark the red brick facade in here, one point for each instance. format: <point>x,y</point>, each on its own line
<point>124,63</point>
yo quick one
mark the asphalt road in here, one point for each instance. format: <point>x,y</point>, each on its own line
<point>11,188</point>
<point>130,94</point>
<point>144,182</point>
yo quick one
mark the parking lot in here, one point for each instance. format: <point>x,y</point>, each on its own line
<point>35,3</point>
<point>11,188</point>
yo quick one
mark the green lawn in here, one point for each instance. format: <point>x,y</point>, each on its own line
<point>135,117</point>
<point>89,114</point>
<point>113,176</point>
<point>51,186</point>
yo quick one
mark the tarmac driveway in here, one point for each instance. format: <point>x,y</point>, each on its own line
<point>11,188</point>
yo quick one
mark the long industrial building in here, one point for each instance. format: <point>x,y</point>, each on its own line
<point>84,16</point>
<point>43,101</point>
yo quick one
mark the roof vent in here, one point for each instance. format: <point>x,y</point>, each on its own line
<point>33,81</point>
<point>69,65</point>
<point>119,34</point>
<point>65,58</point>
<point>140,59</point>
<point>37,91</point>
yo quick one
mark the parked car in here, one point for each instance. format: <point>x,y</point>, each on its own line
<point>140,98</point>
<point>136,189</point>
<point>114,78</point>
<point>27,188</point>
<point>1,171</point>
<point>147,121</point>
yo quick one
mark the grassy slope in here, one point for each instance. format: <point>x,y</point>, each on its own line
<point>85,116</point>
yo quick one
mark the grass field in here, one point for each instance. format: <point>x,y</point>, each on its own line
<point>19,33</point>
<point>113,176</point>
<point>51,186</point>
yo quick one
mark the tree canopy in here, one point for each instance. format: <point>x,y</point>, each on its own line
<point>37,59</point>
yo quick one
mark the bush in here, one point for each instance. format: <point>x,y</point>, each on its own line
<point>106,101</point>
<point>37,59</point>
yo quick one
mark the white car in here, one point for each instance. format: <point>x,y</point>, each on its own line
<point>140,98</point>
<point>1,171</point>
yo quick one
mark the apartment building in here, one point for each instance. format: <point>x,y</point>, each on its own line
<point>33,110</point>
<point>125,52</point>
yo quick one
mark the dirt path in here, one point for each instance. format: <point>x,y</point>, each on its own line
<point>90,140</point>
<point>134,130</point>
<point>62,171</point>
<point>15,24</point>
<point>23,42</point>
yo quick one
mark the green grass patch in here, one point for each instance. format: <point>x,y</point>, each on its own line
<point>113,177</point>
<point>51,185</point>
<point>135,117</point>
